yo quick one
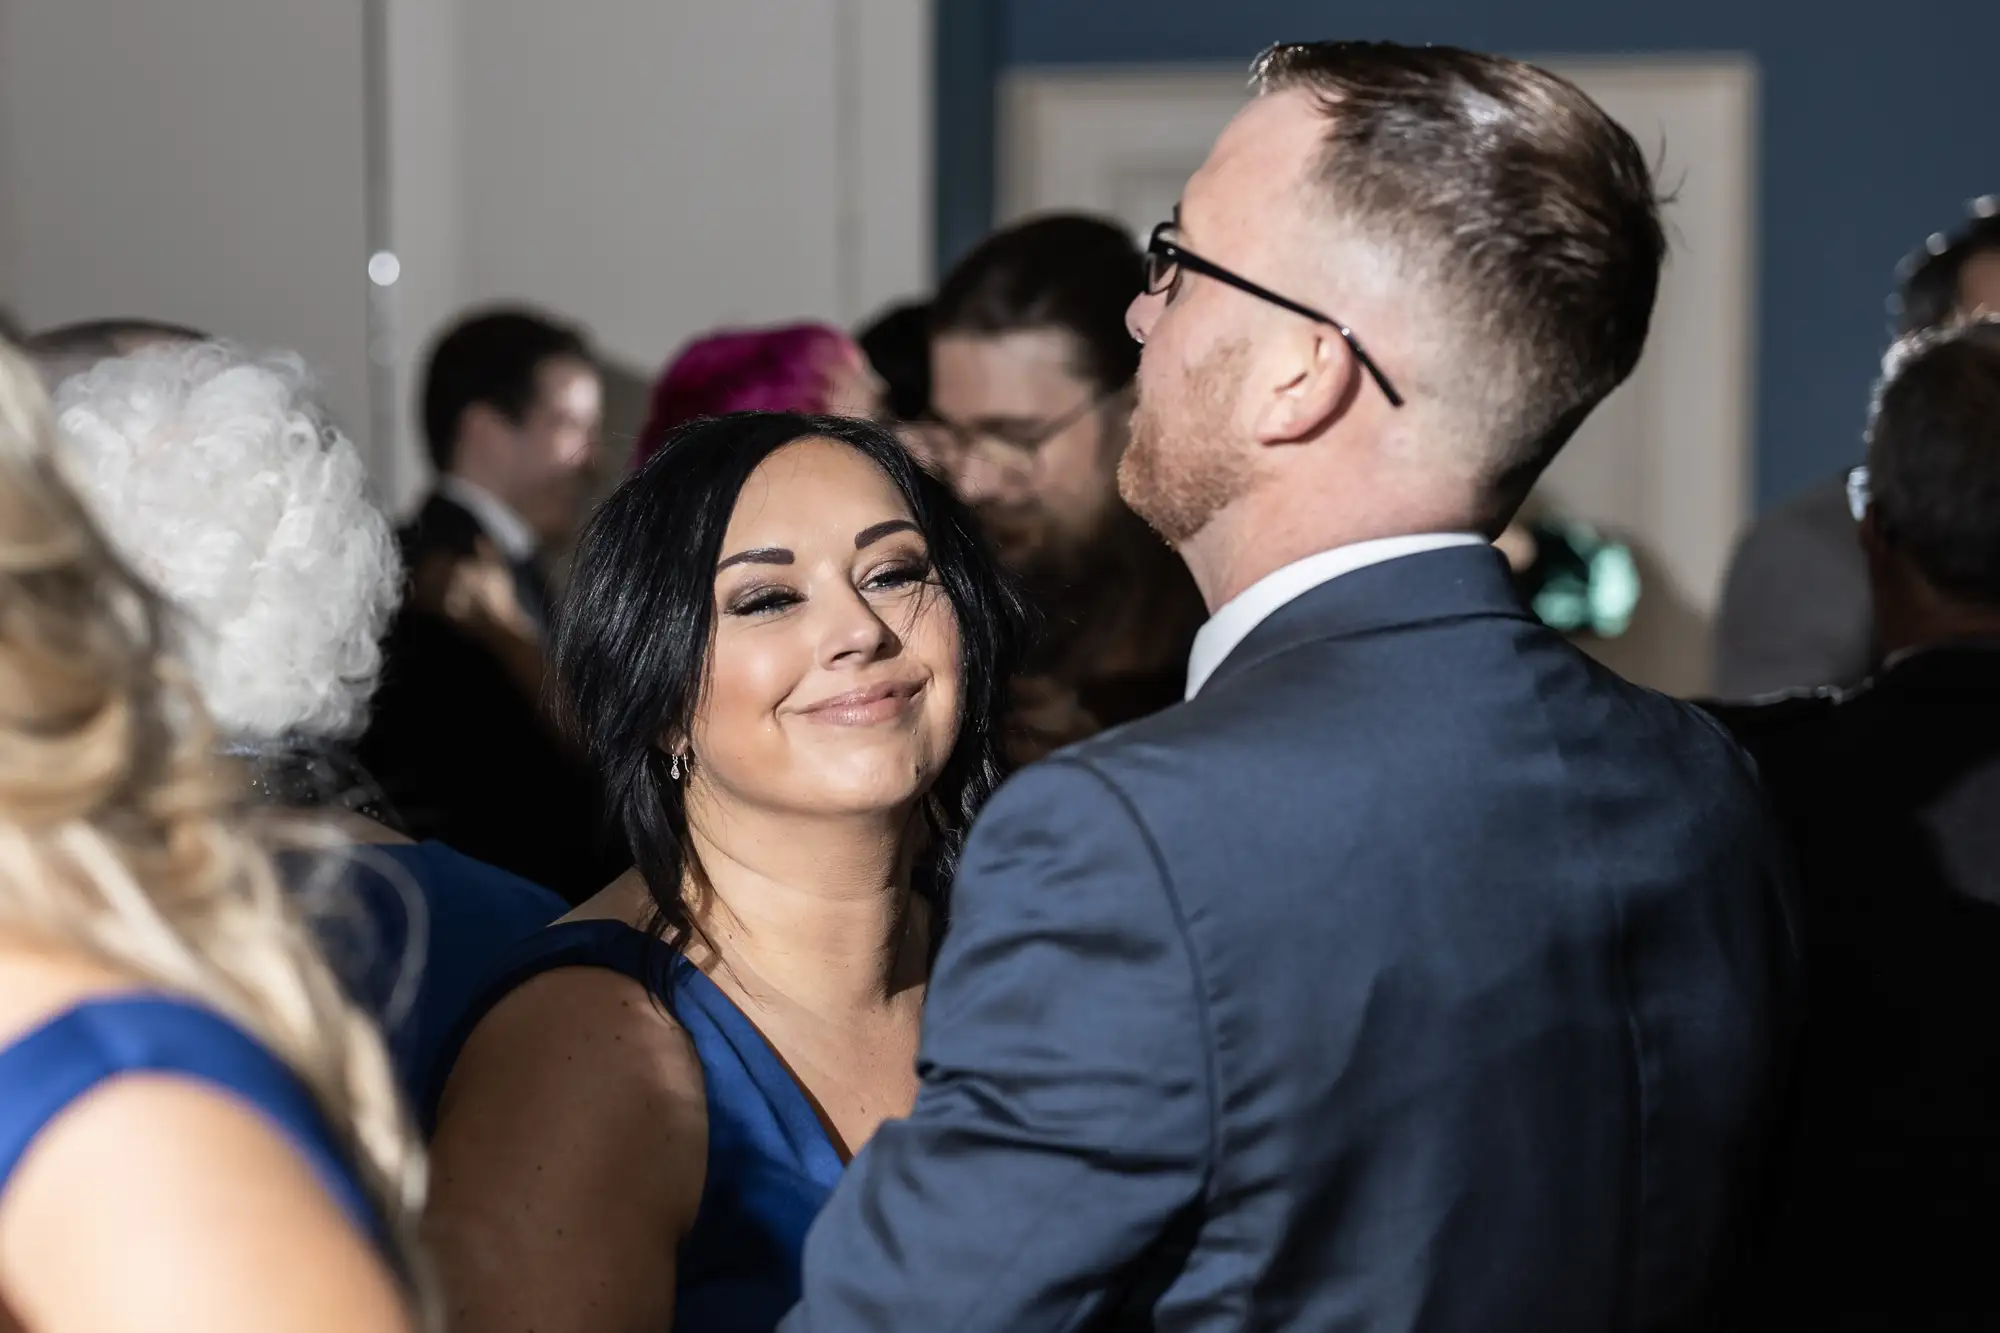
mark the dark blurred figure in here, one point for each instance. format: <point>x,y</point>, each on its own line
<point>1795,611</point>
<point>461,740</point>
<point>897,343</point>
<point>67,349</point>
<point>1031,387</point>
<point>10,328</point>
<point>1892,797</point>
<point>810,368</point>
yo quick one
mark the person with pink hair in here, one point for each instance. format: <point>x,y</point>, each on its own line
<point>809,368</point>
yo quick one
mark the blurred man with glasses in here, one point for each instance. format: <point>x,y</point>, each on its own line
<point>1031,399</point>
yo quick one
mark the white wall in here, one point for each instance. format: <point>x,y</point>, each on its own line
<point>709,187</point>
<point>657,169</point>
<point>422,181</point>
<point>650,168</point>
<point>198,161</point>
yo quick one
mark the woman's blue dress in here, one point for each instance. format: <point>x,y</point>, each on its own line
<point>771,1165</point>
<point>48,1069</point>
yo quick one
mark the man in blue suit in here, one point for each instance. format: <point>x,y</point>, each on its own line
<point>1416,973</point>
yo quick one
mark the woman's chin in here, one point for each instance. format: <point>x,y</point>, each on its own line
<point>885,786</point>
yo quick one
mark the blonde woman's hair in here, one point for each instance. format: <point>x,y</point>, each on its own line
<point>121,832</point>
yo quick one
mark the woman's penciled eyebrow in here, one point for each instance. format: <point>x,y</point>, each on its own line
<point>870,535</point>
<point>778,555</point>
<point>760,555</point>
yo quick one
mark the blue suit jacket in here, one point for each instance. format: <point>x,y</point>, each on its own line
<point>1418,974</point>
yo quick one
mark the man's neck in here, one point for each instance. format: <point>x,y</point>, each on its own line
<point>818,915</point>
<point>1247,543</point>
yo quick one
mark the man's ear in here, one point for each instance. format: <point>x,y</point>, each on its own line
<point>1308,382</point>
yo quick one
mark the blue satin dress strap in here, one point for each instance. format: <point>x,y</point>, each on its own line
<point>771,1165</point>
<point>46,1070</point>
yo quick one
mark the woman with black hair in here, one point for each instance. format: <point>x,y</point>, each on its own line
<point>786,647</point>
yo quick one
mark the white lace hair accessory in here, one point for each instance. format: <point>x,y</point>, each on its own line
<point>217,475</point>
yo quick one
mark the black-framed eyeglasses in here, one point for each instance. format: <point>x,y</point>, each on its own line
<point>1022,441</point>
<point>1165,256</point>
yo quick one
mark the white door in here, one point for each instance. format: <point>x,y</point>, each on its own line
<point>1664,463</point>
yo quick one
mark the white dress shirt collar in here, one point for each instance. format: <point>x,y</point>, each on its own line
<point>505,528</point>
<point>1232,624</point>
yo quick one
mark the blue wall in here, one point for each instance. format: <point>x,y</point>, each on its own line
<point>1879,121</point>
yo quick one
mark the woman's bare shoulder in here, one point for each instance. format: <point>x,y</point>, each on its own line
<point>585,1022</point>
<point>581,1071</point>
<point>570,1156</point>
<point>217,1218</point>
<point>213,1197</point>
<point>40,981</point>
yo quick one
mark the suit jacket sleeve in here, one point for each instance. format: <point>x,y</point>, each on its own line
<point>1064,1119</point>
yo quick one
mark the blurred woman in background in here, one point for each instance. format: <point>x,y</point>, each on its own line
<point>809,368</point>
<point>221,481</point>
<point>196,1130</point>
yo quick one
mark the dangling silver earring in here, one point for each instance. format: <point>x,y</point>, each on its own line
<point>674,767</point>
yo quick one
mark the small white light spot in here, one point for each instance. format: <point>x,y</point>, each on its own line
<point>384,268</point>
<point>1986,205</point>
<point>1937,243</point>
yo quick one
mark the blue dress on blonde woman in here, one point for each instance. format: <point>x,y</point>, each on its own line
<point>771,1165</point>
<point>50,1068</point>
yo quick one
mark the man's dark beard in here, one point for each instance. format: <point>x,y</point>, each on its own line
<point>1092,596</point>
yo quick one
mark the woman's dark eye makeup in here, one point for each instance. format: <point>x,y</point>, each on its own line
<point>760,599</point>
<point>899,571</point>
<point>893,572</point>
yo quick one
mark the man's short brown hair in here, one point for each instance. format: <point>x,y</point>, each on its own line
<point>1529,211</point>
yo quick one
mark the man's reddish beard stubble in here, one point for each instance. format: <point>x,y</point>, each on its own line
<point>1180,468</point>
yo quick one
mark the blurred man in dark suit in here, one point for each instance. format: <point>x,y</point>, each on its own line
<point>1891,795</point>
<point>461,739</point>
<point>1795,611</point>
